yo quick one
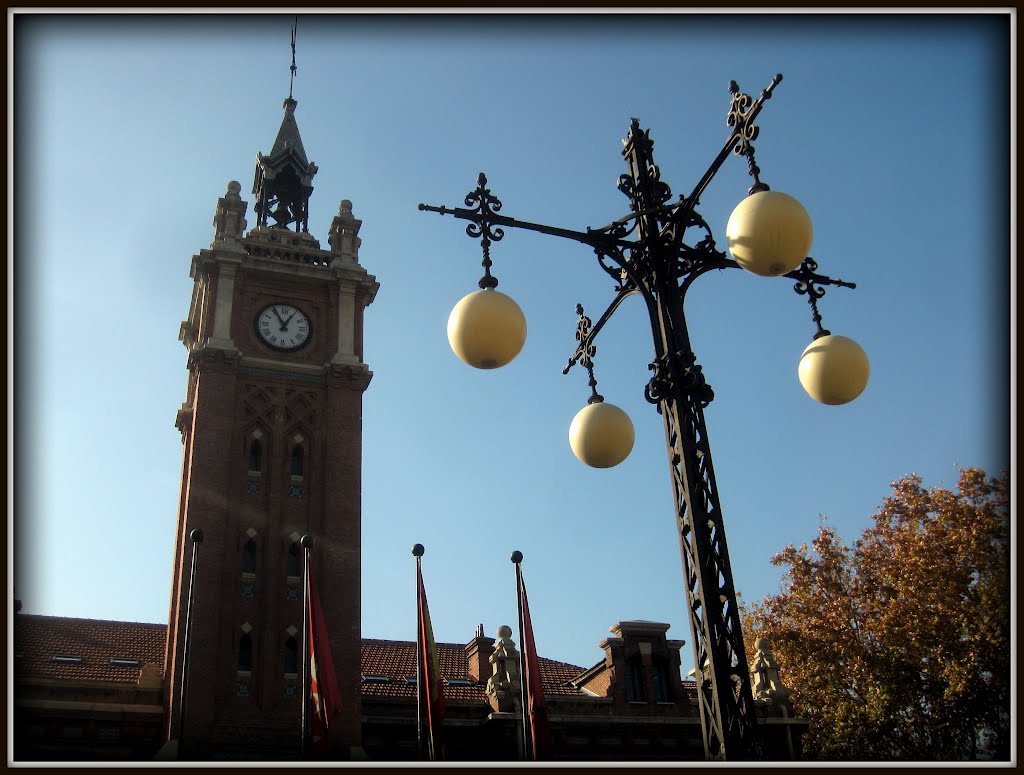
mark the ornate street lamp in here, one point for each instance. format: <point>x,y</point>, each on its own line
<point>645,253</point>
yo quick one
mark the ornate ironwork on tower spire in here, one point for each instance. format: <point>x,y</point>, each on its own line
<point>284,179</point>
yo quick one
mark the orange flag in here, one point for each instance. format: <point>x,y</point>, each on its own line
<point>323,684</point>
<point>430,674</point>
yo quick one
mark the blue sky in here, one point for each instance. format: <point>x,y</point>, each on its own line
<point>893,131</point>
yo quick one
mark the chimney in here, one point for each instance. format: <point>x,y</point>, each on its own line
<point>478,654</point>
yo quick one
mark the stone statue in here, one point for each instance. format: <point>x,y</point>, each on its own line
<point>767,686</point>
<point>504,685</point>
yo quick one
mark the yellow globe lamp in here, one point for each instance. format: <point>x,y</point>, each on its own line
<point>601,435</point>
<point>769,233</point>
<point>486,329</point>
<point>834,369</point>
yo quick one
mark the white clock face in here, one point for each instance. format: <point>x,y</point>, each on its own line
<point>283,326</point>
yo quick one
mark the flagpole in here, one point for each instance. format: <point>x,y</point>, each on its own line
<point>517,558</point>
<point>197,538</point>
<point>417,552</point>
<point>306,543</point>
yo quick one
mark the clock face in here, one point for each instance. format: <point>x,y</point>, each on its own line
<point>283,326</point>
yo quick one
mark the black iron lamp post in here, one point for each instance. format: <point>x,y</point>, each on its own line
<point>646,253</point>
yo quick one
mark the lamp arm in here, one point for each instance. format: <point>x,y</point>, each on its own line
<point>743,128</point>
<point>587,336</point>
<point>807,278</point>
<point>595,239</point>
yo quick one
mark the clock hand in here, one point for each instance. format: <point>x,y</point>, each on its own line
<point>280,319</point>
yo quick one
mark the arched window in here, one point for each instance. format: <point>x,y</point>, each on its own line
<point>297,455</point>
<point>255,456</point>
<point>636,691</point>
<point>245,652</point>
<point>249,557</point>
<point>294,560</point>
<point>291,656</point>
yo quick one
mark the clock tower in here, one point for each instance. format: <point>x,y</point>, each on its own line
<point>271,428</point>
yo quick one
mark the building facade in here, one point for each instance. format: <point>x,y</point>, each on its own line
<point>90,690</point>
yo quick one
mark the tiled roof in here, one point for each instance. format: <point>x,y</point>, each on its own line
<point>38,639</point>
<point>397,660</point>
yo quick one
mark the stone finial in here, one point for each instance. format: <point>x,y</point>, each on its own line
<point>343,235</point>
<point>229,218</point>
<point>503,686</point>
<point>764,670</point>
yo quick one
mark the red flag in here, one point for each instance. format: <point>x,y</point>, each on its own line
<point>540,731</point>
<point>323,684</point>
<point>430,674</point>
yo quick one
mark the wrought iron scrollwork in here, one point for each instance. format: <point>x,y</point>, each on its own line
<point>626,185</point>
<point>742,111</point>
<point>486,206</point>
<point>810,283</point>
<point>584,353</point>
<point>691,379</point>
<point>739,117</point>
<point>661,190</point>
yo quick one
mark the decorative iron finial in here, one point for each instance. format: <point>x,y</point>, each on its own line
<point>809,282</point>
<point>584,354</point>
<point>742,112</point>
<point>291,83</point>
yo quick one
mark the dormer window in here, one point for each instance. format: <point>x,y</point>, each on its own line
<point>659,681</point>
<point>636,690</point>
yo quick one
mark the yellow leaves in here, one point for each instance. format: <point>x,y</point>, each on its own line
<point>901,640</point>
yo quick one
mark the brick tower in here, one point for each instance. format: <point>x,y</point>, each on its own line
<point>271,427</point>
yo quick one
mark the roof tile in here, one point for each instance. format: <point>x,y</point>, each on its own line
<point>38,639</point>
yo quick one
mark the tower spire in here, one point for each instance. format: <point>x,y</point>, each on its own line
<point>283,181</point>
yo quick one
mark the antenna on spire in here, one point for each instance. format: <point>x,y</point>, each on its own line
<point>291,83</point>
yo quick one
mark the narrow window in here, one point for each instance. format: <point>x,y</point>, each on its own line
<point>297,455</point>
<point>291,656</point>
<point>635,689</point>
<point>245,653</point>
<point>249,557</point>
<point>659,681</point>
<point>294,557</point>
<point>256,456</point>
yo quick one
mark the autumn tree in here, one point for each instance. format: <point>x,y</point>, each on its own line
<point>899,646</point>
